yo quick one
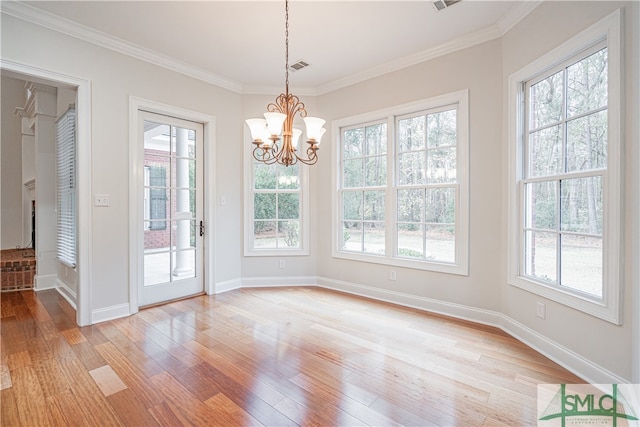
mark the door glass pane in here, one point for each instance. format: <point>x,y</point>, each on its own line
<point>157,268</point>
<point>184,264</point>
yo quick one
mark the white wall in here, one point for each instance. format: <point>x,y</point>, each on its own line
<point>114,78</point>
<point>13,95</point>
<point>605,344</point>
<point>476,69</point>
<point>483,69</point>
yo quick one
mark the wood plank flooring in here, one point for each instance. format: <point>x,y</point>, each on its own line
<point>271,357</point>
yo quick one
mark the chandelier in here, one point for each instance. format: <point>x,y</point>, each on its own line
<point>274,137</point>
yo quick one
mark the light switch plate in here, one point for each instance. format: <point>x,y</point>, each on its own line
<point>101,200</point>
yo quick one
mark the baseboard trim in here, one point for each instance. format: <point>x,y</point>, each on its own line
<point>42,283</point>
<point>67,293</point>
<point>271,282</point>
<point>582,367</point>
<point>227,285</point>
<point>110,313</point>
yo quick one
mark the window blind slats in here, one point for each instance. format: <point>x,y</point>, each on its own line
<point>66,187</point>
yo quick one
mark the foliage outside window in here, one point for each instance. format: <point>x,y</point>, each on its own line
<point>402,194</point>
<point>565,177</point>
<point>565,161</point>
<point>276,210</point>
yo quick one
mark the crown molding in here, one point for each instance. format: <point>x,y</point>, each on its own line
<point>516,15</point>
<point>65,26</point>
<point>460,43</point>
<point>62,25</point>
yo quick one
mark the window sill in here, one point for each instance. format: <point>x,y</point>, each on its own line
<point>456,269</point>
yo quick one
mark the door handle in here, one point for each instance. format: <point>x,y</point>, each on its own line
<point>201,228</point>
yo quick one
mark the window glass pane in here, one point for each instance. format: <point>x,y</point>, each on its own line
<point>376,139</point>
<point>587,142</point>
<point>288,206</point>
<point>374,205</point>
<point>353,173</point>
<point>411,134</point>
<point>441,165</point>
<point>546,99</point>
<point>264,234</point>
<point>411,168</point>
<point>441,243</point>
<point>581,205</point>
<point>184,263</point>
<point>288,234</point>
<point>440,206</point>
<point>157,268</point>
<point>376,174</point>
<point>156,138</point>
<point>540,205</point>
<point>264,176</point>
<point>411,205</point>
<point>352,236</point>
<point>353,143</point>
<point>352,205</point>
<point>581,266</point>
<point>410,241</point>
<point>545,152</point>
<point>540,255</point>
<point>587,84</point>
<point>264,206</point>
<point>374,237</point>
<point>441,129</point>
<point>289,177</point>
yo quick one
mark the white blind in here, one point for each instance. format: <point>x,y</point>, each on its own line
<point>66,187</point>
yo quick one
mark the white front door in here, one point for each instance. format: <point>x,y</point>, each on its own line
<point>172,208</point>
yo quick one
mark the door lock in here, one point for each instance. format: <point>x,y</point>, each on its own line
<point>201,228</point>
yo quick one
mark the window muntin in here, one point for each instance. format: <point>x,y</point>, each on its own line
<point>364,178</point>
<point>565,163</point>
<point>427,191</point>
<point>277,207</point>
<point>424,193</point>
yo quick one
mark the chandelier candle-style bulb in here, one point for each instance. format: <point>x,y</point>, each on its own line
<point>274,137</point>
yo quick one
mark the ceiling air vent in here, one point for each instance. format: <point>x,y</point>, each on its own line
<point>299,65</point>
<point>443,4</point>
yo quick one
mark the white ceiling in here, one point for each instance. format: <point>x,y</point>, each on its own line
<point>241,43</point>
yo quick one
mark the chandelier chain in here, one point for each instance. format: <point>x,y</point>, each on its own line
<point>286,44</point>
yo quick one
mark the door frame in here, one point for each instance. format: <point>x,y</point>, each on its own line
<point>83,169</point>
<point>136,179</point>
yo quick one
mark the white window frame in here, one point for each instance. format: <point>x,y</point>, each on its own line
<point>249,249</point>
<point>607,308</point>
<point>461,266</point>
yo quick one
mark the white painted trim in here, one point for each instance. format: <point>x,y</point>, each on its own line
<point>566,358</point>
<point>62,25</point>
<point>135,191</point>
<point>282,281</point>
<point>110,313</point>
<point>249,251</point>
<point>85,254</point>
<point>227,285</point>
<point>466,41</point>
<point>609,308</point>
<point>53,22</point>
<point>67,293</point>
<point>461,98</point>
<point>44,282</point>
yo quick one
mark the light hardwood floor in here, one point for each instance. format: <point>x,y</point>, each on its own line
<point>273,357</point>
